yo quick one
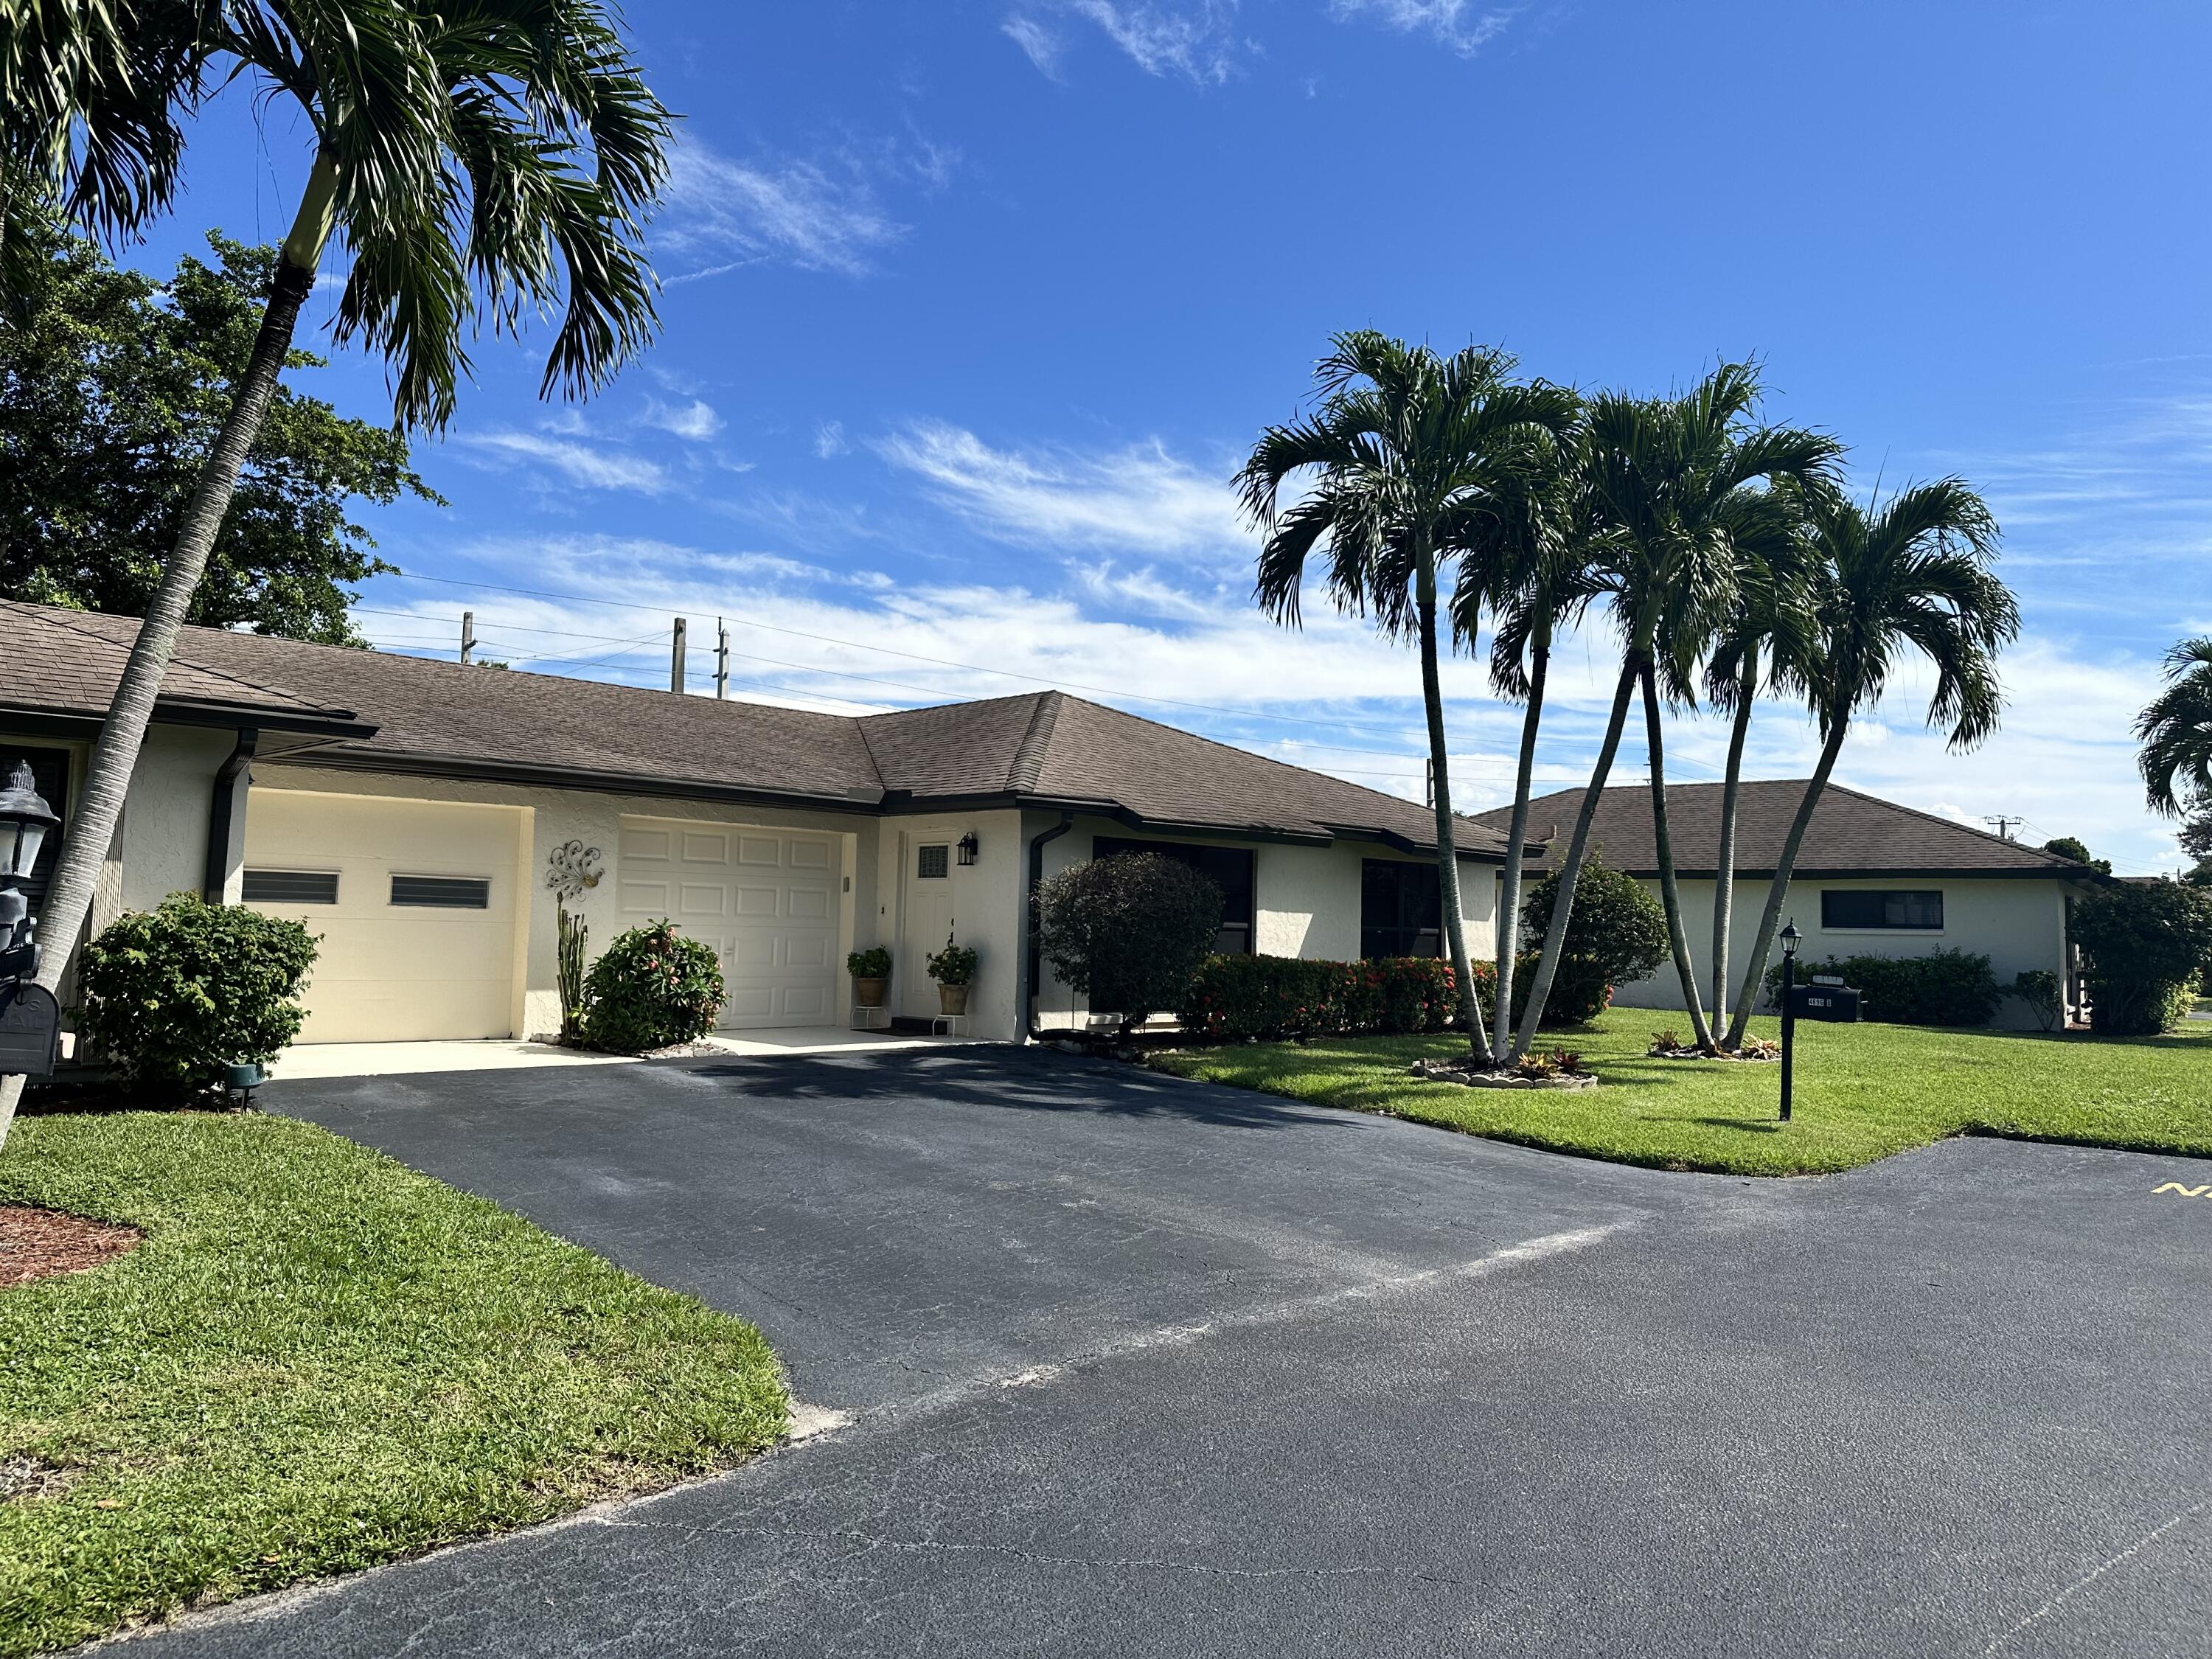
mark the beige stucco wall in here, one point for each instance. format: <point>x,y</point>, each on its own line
<point>2018,925</point>
<point>1305,900</point>
<point>554,817</point>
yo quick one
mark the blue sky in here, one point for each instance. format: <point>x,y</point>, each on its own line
<point>969,308</point>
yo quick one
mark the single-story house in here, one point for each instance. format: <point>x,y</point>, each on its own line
<point>407,812</point>
<point>1872,878</point>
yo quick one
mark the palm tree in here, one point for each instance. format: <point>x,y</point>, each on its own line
<point>1912,573</point>
<point>478,160</point>
<point>1410,456</point>
<point>1541,580</point>
<point>2176,733</point>
<point>1676,480</point>
<point>1774,614</point>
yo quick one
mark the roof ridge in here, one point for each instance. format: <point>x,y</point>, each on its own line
<point>1030,753</point>
<point>1953,823</point>
<point>59,616</point>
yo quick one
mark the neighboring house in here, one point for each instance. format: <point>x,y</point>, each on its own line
<point>1872,878</point>
<point>406,811</point>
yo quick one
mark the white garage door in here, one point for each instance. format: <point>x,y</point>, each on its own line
<point>415,901</point>
<point>765,899</point>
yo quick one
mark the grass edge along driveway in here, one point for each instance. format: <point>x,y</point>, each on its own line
<point>319,1360</point>
<point>1862,1092</point>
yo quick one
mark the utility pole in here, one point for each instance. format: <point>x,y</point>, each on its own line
<point>2003,824</point>
<point>676,658</point>
<point>468,636</point>
<point>721,660</point>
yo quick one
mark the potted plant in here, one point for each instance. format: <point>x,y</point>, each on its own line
<point>872,975</point>
<point>954,970</point>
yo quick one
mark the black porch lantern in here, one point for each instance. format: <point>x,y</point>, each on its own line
<point>968,847</point>
<point>25,818</point>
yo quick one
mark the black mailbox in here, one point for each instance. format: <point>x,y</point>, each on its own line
<point>30,1030</point>
<point>1836,1002</point>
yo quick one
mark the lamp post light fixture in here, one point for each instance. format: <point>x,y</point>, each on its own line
<point>1791,940</point>
<point>30,1018</point>
<point>968,847</point>
<point>25,818</point>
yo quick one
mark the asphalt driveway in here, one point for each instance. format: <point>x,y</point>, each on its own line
<point>1140,1366</point>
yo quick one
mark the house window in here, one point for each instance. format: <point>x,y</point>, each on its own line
<point>1400,909</point>
<point>443,892</point>
<point>291,887</point>
<point>1902,907</point>
<point>930,862</point>
<point>1229,868</point>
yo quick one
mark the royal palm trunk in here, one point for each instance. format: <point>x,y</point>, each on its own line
<point>1724,865</point>
<point>1425,595</point>
<point>1770,918</point>
<point>1670,896</point>
<point>1509,893</point>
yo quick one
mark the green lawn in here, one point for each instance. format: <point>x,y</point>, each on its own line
<point>316,1361</point>
<point>1862,1092</point>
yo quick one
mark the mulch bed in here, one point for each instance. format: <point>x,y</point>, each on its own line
<point>1473,1076</point>
<point>37,1243</point>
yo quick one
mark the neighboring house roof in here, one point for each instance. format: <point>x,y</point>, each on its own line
<point>407,715</point>
<point>1850,835</point>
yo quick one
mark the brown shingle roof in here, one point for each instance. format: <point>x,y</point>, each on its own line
<point>1043,746</point>
<point>1850,835</point>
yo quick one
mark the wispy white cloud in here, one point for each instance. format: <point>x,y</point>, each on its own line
<point>1039,43</point>
<point>1463,25</point>
<point>830,441</point>
<point>696,420</point>
<point>723,213</point>
<point>1193,38</point>
<point>1141,497</point>
<point>593,466</point>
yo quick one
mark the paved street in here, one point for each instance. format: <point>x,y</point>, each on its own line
<point>1140,1366</point>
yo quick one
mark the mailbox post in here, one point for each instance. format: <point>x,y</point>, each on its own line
<point>30,1020</point>
<point>1790,938</point>
<point>1826,998</point>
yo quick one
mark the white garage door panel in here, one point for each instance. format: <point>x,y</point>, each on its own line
<point>387,973</point>
<point>764,900</point>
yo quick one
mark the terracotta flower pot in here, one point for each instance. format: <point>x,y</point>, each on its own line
<point>952,998</point>
<point>869,992</point>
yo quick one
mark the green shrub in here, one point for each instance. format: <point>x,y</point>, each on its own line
<point>652,987</point>
<point>2146,942</point>
<point>1616,934</point>
<point>1128,931</point>
<point>1939,988</point>
<point>954,965</point>
<point>2038,988</point>
<point>1268,999</point>
<point>874,962</point>
<point>174,995</point>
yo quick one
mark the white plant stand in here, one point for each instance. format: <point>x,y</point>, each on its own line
<point>871,1019</point>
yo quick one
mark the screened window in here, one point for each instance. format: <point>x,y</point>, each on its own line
<point>1229,868</point>
<point>930,862</point>
<point>443,892</point>
<point>1400,909</point>
<point>291,887</point>
<point>1901,907</point>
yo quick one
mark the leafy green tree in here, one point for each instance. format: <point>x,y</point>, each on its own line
<point>113,388</point>
<point>1617,934</point>
<point>479,162</point>
<point>1677,480</point>
<point>1128,931</point>
<point>2147,943</point>
<point>2068,847</point>
<point>1406,456</point>
<point>1908,574</point>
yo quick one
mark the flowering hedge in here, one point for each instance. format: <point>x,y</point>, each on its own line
<point>1232,998</point>
<point>653,987</point>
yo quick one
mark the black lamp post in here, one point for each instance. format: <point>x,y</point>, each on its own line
<point>25,818</point>
<point>1790,939</point>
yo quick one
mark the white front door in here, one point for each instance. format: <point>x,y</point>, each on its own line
<point>414,901</point>
<point>766,900</point>
<point>927,908</point>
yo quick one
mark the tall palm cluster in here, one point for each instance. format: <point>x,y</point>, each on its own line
<point>1725,556</point>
